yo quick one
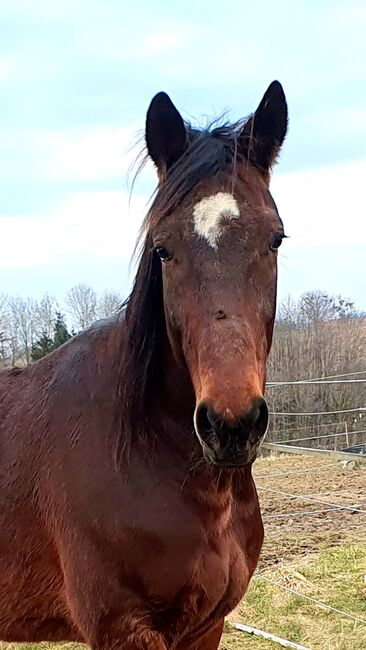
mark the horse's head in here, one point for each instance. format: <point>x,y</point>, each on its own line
<point>214,232</point>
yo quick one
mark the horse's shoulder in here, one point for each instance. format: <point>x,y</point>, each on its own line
<point>98,337</point>
<point>94,340</point>
<point>87,360</point>
<point>10,377</point>
<point>14,371</point>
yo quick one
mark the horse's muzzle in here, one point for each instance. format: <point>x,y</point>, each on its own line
<point>234,443</point>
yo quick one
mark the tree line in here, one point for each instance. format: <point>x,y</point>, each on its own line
<point>318,335</point>
<point>31,328</point>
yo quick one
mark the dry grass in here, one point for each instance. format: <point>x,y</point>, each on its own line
<point>322,556</point>
<point>334,577</point>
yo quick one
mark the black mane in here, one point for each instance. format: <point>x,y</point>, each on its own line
<point>209,152</point>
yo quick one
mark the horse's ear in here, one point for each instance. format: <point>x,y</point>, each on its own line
<point>263,134</point>
<point>165,133</point>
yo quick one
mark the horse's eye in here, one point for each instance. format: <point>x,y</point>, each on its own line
<point>162,252</point>
<point>276,242</point>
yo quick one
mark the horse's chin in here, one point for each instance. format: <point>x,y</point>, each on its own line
<point>237,461</point>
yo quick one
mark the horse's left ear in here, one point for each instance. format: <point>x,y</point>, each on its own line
<point>263,134</point>
<point>165,134</point>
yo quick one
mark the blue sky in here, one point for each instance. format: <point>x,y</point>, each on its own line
<point>76,78</point>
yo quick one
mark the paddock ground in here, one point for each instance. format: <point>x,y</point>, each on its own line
<point>315,550</point>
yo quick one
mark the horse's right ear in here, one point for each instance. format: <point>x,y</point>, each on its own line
<point>165,133</point>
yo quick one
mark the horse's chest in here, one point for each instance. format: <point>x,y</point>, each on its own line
<point>220,576</point>
<point>185,562</point>
<point>203,575</point>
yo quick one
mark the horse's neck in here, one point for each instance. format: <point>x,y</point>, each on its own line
<point>175,409</point>
<point>174,401</point>
<point>176,444</point>
<point>176,392</point>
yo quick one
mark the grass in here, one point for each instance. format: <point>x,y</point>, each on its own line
<point>334,577</point>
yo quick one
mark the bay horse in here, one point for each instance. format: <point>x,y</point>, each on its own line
<point>128,513</point>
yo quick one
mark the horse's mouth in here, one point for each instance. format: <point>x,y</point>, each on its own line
<point>240,458</point>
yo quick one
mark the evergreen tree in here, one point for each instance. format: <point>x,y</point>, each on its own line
<point>45,344</point>
<point>60,331</point>
<point>40,348</point>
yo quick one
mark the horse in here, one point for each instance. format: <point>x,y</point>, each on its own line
<point>128,513</point>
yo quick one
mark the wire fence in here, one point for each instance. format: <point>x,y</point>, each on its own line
<point>329,502</point>
<point>315,379</point>
<point>318,499</point>
<point>318,433</point>
<point>341,425</point>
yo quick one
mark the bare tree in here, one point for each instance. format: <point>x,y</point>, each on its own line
<point>108,304</point>
<point>81,302</point>
<point>3,328</point>
<point>320,335</point>
<point>45,316</point>
<point>22,326</point>
<point>3,310</point>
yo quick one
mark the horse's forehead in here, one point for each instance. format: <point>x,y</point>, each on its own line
<point>212,216</point>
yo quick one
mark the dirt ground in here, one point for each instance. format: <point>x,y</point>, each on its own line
<point>311,550</point>
<point>294,527</point>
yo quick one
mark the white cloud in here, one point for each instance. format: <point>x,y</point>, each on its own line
<point>96,224</point>
<point>321,209</point>
<point>78,155</point>
<point>322,206</point>
<point>7,68</point>
<point>92,155</point>
<point>349,120</point>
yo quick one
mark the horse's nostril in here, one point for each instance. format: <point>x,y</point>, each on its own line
<point>260,416</point>
<point>204,421</point>
<point>251,426</point>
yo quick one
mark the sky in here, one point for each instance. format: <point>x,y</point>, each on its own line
<point>76,79</point>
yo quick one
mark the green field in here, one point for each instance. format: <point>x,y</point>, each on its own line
<point>334,577</point>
